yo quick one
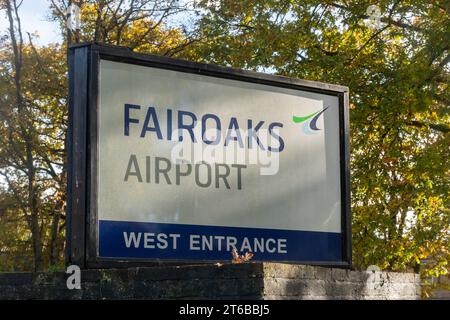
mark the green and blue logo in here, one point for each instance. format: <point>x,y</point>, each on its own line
<point>309,127</point>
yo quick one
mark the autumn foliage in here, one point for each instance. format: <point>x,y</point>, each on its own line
<point>398,75</point>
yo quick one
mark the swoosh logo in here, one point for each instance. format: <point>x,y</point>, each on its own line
<point>310,126</point>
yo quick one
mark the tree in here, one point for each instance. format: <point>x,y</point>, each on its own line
<point>139,25</point>
<point>32,130</point>
<point>398,75</point>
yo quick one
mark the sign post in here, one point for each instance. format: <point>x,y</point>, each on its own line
<point>174,161</point>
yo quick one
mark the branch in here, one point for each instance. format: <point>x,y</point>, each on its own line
<point>58,10</point>
<point>386,20</point>
<point>438,127</point>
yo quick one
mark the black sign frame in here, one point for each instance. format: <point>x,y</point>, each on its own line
<point>84,60</point>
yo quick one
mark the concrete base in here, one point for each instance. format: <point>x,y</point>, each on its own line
<point>257,281</point>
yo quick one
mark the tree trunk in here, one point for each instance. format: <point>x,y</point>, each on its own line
<point>11,7</point>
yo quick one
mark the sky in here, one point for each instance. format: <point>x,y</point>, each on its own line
<point>35,18</point>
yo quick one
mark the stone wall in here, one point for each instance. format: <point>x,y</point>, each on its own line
<point>283,281</point>
<point>238,281</point>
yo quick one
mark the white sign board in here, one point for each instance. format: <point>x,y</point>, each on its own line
<point>190,166</point>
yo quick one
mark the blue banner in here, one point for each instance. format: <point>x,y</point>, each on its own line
<point>138,240</point>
